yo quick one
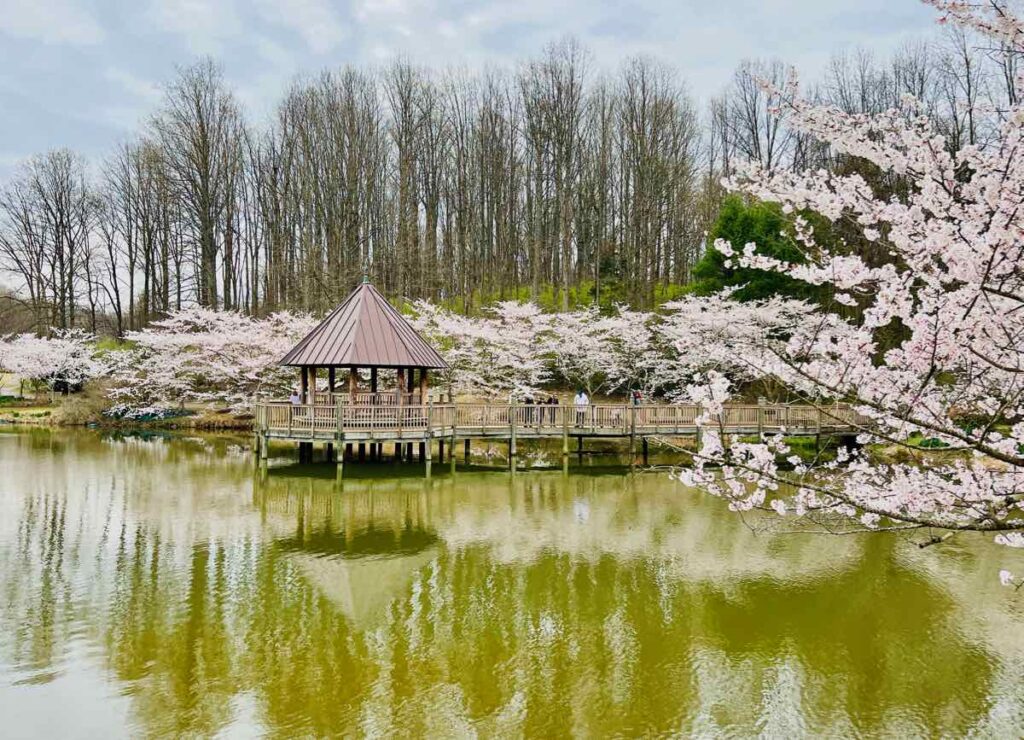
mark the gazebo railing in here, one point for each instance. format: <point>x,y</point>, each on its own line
<point>365,398</point>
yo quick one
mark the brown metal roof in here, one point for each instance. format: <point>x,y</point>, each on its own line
<point>364,331</point>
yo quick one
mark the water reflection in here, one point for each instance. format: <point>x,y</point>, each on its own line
<point>167,590</point>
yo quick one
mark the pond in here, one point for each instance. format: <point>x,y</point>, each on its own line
<point>163,586</point>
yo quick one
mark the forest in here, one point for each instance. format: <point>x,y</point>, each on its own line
<point>554,182</point>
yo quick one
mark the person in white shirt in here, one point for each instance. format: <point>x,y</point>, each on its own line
<point>295,398</point>
<point>582,403</point>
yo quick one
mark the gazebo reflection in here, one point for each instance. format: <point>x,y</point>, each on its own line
<point>360,551</point>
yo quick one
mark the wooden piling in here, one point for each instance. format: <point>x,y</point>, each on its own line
<point>512,413</point>
<point>565,433</point>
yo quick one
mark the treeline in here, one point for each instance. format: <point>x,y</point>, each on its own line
<point>552,183</point>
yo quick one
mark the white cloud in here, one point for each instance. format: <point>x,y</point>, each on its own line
<point>50,21</point>
<point>204,25</point>
<point>315,21</point>
<point>146,90</point>
<point>136,98</point>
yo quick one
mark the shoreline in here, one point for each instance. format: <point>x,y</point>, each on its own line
<point>212,420</point>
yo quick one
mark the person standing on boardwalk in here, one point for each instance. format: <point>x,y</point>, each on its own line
<point>582,403</point>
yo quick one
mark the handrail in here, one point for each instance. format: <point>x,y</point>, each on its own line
<point>623,419</point>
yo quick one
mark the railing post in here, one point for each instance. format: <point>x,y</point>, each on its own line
<point>632,434</point>
<point>512,439</point>
<point>291,410</point>
<point>699,429</point>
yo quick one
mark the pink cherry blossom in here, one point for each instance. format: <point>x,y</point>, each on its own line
<point>955,286</point>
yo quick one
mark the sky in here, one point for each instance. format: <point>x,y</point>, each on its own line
<point>86,74</point>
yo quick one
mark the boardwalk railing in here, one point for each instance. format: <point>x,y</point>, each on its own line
<point>342,417</point>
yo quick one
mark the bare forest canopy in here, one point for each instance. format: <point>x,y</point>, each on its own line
<point>551,182</point>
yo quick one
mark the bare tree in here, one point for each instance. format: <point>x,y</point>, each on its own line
<point>199,129</point>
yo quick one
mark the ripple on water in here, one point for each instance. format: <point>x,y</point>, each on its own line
<point>157,587</point>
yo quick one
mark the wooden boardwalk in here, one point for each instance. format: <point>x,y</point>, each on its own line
<point>368,423</point>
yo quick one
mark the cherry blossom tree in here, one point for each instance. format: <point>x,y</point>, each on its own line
<point>579,348</point>
<point>496,355</point>
<point>636,350</point>
<point>953,286</point>
<point>61,362</point>
<point>698,335</point>
<point>205,355</point>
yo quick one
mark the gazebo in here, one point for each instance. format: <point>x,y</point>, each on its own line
<point>365,332</point>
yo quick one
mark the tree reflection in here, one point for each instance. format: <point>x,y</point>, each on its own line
<point>481,602</point>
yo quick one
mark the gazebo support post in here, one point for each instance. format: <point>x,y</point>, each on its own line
<point>424,385</point>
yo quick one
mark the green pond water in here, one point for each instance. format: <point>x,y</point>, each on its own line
<point>164,587</point>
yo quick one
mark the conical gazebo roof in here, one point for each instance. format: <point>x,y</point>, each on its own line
<point>364,331</point>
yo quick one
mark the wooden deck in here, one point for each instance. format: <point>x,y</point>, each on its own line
<point>368,422</point>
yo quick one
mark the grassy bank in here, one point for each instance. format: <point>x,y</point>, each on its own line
<point>89,408</point>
